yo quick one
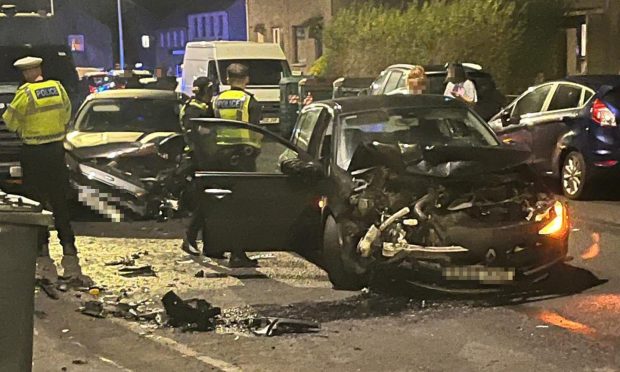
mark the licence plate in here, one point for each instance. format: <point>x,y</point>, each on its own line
<point>270,121</point>
<point>490,275</point>
<point>16,171</point>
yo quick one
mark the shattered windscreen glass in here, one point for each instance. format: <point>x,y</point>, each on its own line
<point>451,126</point>
<point>135,115</point>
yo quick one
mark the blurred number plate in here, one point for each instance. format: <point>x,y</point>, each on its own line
<point>479,273</point>
<point>270,121</point>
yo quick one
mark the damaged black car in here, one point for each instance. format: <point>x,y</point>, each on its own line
<point>418,183</point>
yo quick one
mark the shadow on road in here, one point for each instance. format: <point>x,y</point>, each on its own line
<point>395,296</point>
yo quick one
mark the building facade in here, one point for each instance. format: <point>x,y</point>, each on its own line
<point>199,21</point>
<point>592,34</point>
<point>89,40</point>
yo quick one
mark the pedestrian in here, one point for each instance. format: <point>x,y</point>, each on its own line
<point>540,78</point>
<point>237,149</point>
<point>39,114</point>
<point>199,106</point>
<point>459,86</point>
<point>416,80</point>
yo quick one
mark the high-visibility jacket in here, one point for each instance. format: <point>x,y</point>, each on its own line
<point>234,104</point>
<point>39,112</point>
<point>196,104</point>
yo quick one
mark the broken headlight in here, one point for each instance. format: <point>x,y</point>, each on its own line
<point>557,221</point>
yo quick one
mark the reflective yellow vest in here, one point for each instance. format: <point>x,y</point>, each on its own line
<point>235,105</point>
<point>193,103</point>
<point>39,112</point>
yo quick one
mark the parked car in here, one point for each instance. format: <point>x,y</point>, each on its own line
<point>393,80</point>
<point>58,65</point>
<point>124,152</point>
<point>419,183</point>
<point>570,125</point>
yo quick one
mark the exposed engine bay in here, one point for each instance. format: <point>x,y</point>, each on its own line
<point>439,215</point>
<point>131,180</point>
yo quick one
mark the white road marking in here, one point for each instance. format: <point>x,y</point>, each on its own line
<point>180,348</point>
<point>113,364</point>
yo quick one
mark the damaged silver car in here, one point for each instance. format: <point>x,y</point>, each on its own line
<point>418,183</point>
<point>125,154</point>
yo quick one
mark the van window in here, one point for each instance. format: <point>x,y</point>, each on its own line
<point>262,71</point>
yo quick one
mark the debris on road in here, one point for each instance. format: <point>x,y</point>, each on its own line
<point>80,362</point>
<point>132,272</point>
<point>194,314</point>
<point>127,261</point>
<point>48,287</point>
<point>94,309</point>
<point>277,326</point>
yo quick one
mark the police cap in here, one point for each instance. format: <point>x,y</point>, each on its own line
<point>27,63</point>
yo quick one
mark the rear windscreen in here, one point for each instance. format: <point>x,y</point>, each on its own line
<point>613,97</point>
<point>262,71</point>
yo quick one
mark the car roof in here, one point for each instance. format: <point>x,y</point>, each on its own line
<point>594,81</point>
<point>364,103</point>
<point>136,94</point>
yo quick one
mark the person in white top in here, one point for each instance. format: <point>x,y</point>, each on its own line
<point>459,86</point>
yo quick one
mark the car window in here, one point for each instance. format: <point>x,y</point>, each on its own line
<point>393,80</point>
<point>565,97</point>
<point>375,88</point>
<point>532,102</point>
<point>249,152</point>
<point>587,95</point>
<point>303,130</point>
<point>212,71</point>
<point>434,126</point>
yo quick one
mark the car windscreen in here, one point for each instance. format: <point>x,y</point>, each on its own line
<point>262,71</point>
<point>129,115</point>
<point>452,126</point>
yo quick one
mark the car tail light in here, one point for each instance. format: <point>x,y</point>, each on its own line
<point>602,115</point>
<point>558,225</point>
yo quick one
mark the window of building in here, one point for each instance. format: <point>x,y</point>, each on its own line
<point>299,37</point>
<point>208,26</point>
<point>260,37</point>
<point>169,39</point>
<point>276,35</point>
<point>162,40</point>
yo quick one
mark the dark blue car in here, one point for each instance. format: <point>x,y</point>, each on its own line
<point>571,128</point>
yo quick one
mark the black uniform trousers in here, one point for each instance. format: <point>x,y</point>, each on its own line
<point>46,180</point>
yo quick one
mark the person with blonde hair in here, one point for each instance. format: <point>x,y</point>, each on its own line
<point>416,80</point>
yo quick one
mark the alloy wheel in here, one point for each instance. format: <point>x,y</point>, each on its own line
<point>573,175</point>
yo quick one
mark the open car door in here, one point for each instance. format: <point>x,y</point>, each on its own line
<point>248,201</point>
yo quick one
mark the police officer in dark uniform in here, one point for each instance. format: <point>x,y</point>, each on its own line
<point>39,114</point>
<point>237,149</point>
<point>199,106</point>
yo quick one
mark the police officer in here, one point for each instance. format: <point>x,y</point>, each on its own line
<point>199,106</point>
<point>237,149</point>
<point>39,114</point>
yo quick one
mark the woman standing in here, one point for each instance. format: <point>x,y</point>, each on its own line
<point>459,86</point>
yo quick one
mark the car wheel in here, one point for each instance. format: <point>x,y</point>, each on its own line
<point>333,250</point>
<point>574,176</point>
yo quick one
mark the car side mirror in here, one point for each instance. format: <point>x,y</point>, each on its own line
<point>301,168</point>
<point>508,120</point>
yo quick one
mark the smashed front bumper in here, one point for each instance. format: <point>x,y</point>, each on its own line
<point>490,257</point>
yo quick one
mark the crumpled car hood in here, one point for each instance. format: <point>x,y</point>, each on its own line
<point>88,139</point>
<point>438,161</point>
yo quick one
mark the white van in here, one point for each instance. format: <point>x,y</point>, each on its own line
<point>266,62</point>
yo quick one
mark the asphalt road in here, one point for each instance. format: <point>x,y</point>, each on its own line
<point>571,323</point>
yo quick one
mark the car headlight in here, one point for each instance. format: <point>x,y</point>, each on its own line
<point>558,223</point>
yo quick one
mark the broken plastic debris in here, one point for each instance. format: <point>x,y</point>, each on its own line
<point>194,314</point>
<point>131,272</point>
<point>94,309</point>
<point>277,326</point>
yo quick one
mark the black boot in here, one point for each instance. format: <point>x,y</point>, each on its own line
<point>190,248</point>
<point>240,259</point>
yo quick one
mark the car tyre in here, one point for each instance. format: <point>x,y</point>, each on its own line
<point>574,176</point>
<point>333,251</point>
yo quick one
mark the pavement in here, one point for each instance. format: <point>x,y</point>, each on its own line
<point>571,322</point>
